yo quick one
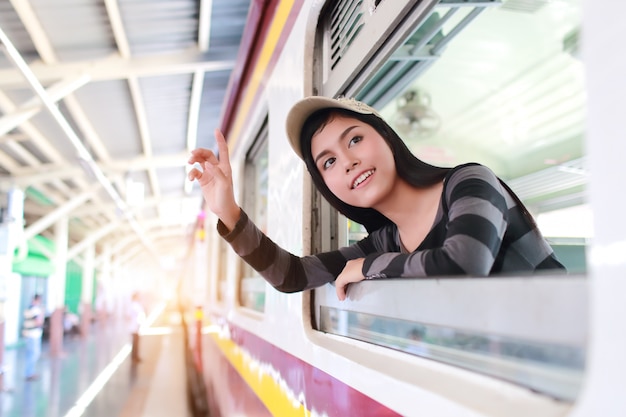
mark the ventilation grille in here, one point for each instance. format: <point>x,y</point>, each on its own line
<point>345,22</point>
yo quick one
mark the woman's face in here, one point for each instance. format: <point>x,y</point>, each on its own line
<point>355,162</point>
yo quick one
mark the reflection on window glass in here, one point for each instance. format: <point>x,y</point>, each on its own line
<point>252,293</point>
<point>252,286</point>
<point>556,370</point>
<point>356,232</point>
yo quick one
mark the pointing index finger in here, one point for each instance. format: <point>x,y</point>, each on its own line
<point>222,147</point>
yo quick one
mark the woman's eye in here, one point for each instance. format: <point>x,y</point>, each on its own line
<point>328,163</point>
<point>355,140</point>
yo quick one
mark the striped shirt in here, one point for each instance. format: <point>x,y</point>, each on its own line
<point>33,319</point>
<point>479,230</point>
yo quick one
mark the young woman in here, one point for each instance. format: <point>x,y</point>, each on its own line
<point>422,220</point>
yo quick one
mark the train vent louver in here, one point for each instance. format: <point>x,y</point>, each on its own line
<point>525,6</point>
<point>346,21</point>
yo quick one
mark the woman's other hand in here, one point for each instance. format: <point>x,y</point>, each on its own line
<point>352,272</point>
<point>216,181</point>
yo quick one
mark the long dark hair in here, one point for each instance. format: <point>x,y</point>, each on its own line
<point>411,169</point>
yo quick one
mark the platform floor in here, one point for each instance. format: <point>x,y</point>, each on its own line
<point>94,377</point>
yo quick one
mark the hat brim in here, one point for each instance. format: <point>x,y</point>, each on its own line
<point>304,108</point>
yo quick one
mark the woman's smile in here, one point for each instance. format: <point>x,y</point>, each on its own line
<point>362,178</point>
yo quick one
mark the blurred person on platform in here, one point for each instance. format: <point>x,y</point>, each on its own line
<point>32,330</point>
<point>135,317</point>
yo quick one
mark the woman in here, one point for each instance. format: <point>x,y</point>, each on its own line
<point>422,220</point>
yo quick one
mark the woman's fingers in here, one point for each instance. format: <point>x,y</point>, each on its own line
<point>194,174</point>
<point>213,171</point>
<point>202,155</point>
<point>341,291</point>
<point>214,175</point>
<point>350,273</point>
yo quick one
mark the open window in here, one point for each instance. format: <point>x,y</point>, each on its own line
<point>494,82</point>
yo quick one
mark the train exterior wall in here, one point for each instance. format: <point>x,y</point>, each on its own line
<point>274,363</point>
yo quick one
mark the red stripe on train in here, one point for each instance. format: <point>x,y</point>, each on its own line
<point>322,392</point>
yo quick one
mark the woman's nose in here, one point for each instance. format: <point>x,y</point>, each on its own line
<point>351,165</point>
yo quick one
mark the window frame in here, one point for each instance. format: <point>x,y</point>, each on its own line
<point>249,282</point>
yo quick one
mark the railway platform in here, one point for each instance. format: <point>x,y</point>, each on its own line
<point>95,377</point>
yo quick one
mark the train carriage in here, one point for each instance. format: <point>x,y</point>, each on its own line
<point>502,83</point>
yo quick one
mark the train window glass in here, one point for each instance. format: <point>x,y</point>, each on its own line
<point>555,369</point>
<point>494,82</point>
<point>252,285</point>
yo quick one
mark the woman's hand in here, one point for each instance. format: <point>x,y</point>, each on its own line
<point>352,272</point>
<point>216,181</point>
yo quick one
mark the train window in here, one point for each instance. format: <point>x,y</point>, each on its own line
<point>252,285</point>
<point>495,82</point>
<point>553,364</point>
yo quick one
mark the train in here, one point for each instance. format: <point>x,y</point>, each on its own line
<point>532,89</point>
